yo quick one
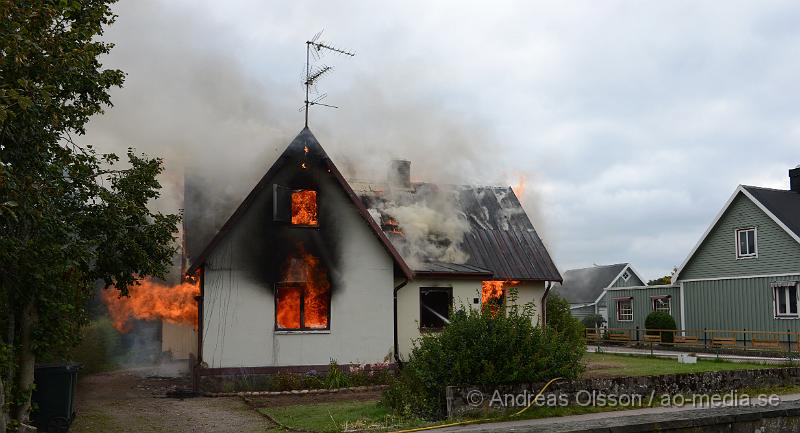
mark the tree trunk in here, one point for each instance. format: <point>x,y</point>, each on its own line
<point>25,362</point>
<point>3,410</point>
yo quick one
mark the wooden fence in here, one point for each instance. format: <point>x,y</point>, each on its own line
<point>740,339</point>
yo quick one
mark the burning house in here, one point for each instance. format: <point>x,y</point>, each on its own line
<point>313,267</point>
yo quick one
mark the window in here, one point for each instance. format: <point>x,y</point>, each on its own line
<point>746,243</point>
<point>785,296</point>
<point>625,309</point>
<point>662,303</point>
<point>434,307</point>
<point>297,207</point>
<point>626,276</point>
<point>302,306</point>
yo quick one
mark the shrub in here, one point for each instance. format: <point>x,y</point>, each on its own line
<point>660,320</point>
<point>483,348</point>
<point>593,321</point>
<point>99,348</point>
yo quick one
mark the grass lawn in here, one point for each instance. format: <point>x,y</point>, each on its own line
<point>338,416</point>
<point>606,364</point>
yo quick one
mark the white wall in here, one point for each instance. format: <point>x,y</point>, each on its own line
<point>464,294</point>
<point>239,316</point>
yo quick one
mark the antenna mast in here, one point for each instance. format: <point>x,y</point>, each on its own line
<point>317,49</point>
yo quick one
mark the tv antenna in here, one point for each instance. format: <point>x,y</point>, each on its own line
<point>317,49</point>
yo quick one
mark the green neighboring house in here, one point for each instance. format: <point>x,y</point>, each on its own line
<point>744,272</point>
<point>585,289</point>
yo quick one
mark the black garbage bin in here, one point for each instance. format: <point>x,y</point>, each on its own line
<point>54,396</point>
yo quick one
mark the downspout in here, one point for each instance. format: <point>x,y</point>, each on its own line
<point>547,286</point>
<point>396,339</point>
<point>199,361</point>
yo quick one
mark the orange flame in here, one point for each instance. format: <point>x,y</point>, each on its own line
<point>305,285</point>
<point>304,208</point>
<point>519,188</point>
<point>493,292</point>
<point>152,300</point>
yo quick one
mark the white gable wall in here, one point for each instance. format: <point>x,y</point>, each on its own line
<point>239,314</point>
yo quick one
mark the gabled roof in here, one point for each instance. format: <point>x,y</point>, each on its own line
<point>293,153</point>
<point>498,240</point>
<point>782,206</point>
<point>586,285</point>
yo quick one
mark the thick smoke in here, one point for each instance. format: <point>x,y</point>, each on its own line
<point>190,99</point>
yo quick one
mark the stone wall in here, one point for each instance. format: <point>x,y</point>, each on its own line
<point>471,399</point>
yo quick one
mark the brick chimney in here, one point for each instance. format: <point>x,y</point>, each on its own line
<point>399,175</point>
<point>794,179</point>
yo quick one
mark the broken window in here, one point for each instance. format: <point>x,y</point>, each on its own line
<point>434,306</point>
<point>302,306</point>
<point>295,206</point>
<point>493,293</point>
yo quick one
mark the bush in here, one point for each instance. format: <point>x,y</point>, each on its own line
<point>593,321</point>
<point>99,348</point>
<point>660,320</point>
<point>483,348</point>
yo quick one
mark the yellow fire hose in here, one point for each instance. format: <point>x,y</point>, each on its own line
<point>475,421</point>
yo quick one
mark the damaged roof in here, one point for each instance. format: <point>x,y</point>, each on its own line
<point>492,237</point>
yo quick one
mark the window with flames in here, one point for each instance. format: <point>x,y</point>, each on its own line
<point>298,207</point>
<point>493,293</point>
<point>303,298</point>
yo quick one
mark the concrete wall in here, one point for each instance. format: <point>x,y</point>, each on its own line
<point>239,304</point>
<point>465,293</point>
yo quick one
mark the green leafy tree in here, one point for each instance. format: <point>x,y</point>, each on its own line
<point>70,217</point>
<point>666,279</point>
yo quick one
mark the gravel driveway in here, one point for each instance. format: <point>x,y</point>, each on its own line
<point>134,401</point>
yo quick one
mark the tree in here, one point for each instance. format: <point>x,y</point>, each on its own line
<point>69,216</point>
<point>666,279</point>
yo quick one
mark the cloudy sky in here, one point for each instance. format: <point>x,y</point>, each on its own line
<point>630,122</point>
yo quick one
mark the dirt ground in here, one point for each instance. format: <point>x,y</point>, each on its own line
<point>134,401</point>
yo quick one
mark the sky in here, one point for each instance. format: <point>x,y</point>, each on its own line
<point>630,122</point>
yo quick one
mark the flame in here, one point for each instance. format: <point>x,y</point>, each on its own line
<point>306,283</point>
<point>493,291</point>
<point>151,300</point>
<point>519,188</point>
<point>304,208</point>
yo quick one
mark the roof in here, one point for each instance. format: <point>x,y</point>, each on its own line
<point>782,206</point>
<point>585,285</point>
<point>294,153</point>
<point>460,230</point>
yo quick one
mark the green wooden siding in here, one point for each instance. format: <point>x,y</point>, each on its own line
<point>642,304</point>
<point>582,312</point>
<point>778,253</point>
<point>633,281</point>
<point>735,304</point>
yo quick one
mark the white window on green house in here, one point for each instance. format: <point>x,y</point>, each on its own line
<point>746,243</point>
<point>785,298</point>
<point>662,303</point>
<point>626,276</point>
<point>625,309</point>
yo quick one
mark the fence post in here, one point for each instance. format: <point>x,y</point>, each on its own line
<point>705,337</point>
<point>744,337</point>
<point>637,333</point>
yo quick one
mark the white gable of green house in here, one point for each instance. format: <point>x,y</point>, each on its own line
<point>778,252</point>
<point>633,279</point>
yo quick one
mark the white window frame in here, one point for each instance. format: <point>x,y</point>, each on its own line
<point>619,311</point>
<point>775,305</point>
<point>626,275</point>
<point>749,255</point>
<point>668,298</point>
